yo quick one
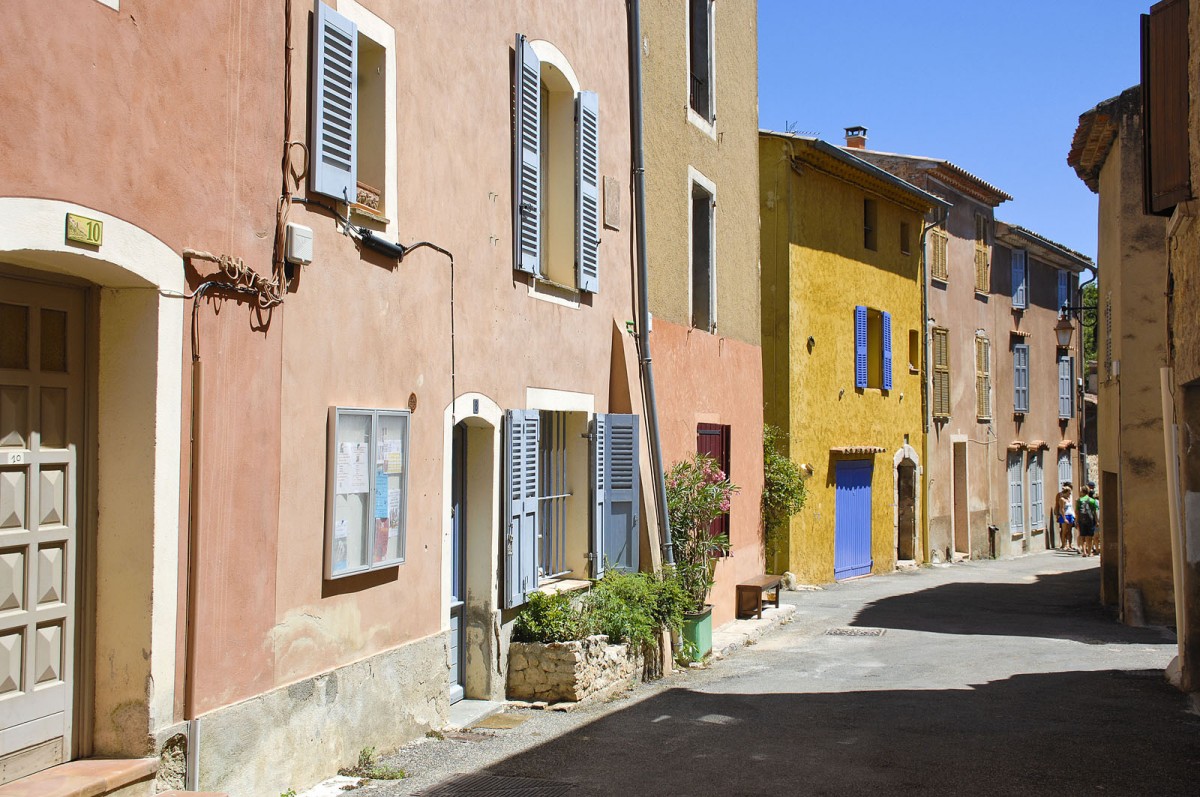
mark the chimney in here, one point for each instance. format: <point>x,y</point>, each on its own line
<point>856,137</point>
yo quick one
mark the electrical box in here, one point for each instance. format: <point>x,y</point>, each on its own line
<point>299,244</point>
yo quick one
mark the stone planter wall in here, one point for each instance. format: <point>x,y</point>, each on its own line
<point>569,671</point>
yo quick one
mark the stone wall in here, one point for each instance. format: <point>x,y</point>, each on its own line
<point>570,671</point>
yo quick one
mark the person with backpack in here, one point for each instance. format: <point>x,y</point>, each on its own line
<point>1087,518</point>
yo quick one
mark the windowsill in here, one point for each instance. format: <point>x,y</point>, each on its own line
<point>555,586</point>
<point>983,420</point>
<point>1019,414</point>
<point>367,213</point>
<point>706,126</point>
<point>944,280</point>
<point>912,369</point>
<point>1018,308</point>
<point>554,292</point>
<point>981,294</point>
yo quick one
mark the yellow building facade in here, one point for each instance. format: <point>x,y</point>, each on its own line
<point>843,357</point>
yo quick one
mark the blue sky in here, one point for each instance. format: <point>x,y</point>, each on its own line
<point>996,87</point>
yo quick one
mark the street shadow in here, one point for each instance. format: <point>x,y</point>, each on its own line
<point>1107,732</point>
<point>1059,606</point>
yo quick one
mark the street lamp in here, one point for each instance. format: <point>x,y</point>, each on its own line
<point>1064,329</point>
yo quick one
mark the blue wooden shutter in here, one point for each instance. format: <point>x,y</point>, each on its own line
<point>599,492</point>
<point>527,159</point>
<point>620,522</point>
<point>887,351</point>
<point>1021,378</point>
<point>587,181</point>
<point>332,158</point>
<point>1064,468</point>
<point>1063,289</point>
<point>1019,285</point>
<point>860,346</point>
<point>1065,378</point>
<point>521,503</point>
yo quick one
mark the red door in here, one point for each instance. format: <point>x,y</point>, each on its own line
<point>712,439</point>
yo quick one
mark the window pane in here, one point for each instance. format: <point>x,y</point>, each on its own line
<point>391,499</point>
<point>14,336</point>
<point>702,214</point>
<point>54,340</point>
<point>352,492</point>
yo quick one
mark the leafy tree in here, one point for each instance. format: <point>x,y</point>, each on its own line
<point>783,488</point>
<point>1091,320</point>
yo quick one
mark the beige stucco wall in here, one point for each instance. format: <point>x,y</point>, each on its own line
<point>816,270</point>
<point>1132,281</point>
<point>728,159</point>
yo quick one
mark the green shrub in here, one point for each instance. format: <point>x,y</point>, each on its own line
<point>698,492</point>
<point>622,607</point>
<point>548,618</point>
<point>783,489</point>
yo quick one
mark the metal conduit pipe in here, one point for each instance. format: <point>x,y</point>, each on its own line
<point>643,290</point>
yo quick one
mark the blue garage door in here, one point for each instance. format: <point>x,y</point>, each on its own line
<point>852,520</point>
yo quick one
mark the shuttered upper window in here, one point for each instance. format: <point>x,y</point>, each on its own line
<point>353,142</point>
<point>1165,99</point>
<point>941,372</point>
<point>556,161</point>
<point>1066,387</point>
<point>983,379</point>
<point>872,348</point>
<point>1020,377</point>
<point>700,59</point>
<point>938,268</point>
<point>982,271</point>
<point>1020,280</point>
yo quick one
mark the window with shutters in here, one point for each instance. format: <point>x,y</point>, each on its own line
<point>1020,378</point>
<point>701,98</point>
<point>1065,474</point>
<point>556,198</point>
<point>983,378</point>
<point>703,265</point>
<point>1066,386</point>
<point>352,151</point>
<point>1165,99</point>
<point>571,498</point>
<point>1016,493</point>
<point>870,224</point>
<point>1064,289</point>
<point>872,348</point>
<point>941,373</point>
<point>905,238</point>
<point>1108,340</point>
<point>982,268</point>
<point>914,351</point>
<point>938,241</point>
<point>1037,493</point>
<point>1020,280</point>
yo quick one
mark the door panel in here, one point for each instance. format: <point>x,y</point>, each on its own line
<point>852,519</point>
<point>41,435</point>
<point>458,520</point>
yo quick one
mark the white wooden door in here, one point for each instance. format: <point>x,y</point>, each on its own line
<point>41,437</point>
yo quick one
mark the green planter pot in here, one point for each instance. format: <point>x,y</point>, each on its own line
<point>697,632</point>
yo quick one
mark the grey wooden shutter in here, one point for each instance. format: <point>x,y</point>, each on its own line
<point>333,162</point>
<point>620,536</point>
<point>860,346</point>
<point>599,492</point>
<point>527,159</point>
<point>1019,289</point>
<point>521,504</point>
<point>1065,378</point>
<point>1021,378</point>
<point>1016,500</point>
<point>587,187</point>
<point>1165,103</point>
<point>887,351</point>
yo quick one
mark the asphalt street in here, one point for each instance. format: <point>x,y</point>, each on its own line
<point>979,678</point>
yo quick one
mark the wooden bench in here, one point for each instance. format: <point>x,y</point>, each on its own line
<point>750,595</point>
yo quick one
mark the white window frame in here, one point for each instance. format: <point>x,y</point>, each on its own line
<point>539,287</point>
<point>706,126</point>
<point>696,178</point>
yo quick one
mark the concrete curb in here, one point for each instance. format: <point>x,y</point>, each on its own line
<point>739,633</point>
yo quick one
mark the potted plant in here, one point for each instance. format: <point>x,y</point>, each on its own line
<point>698,492</point>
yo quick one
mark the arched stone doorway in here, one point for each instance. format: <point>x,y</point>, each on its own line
<point>907,504</point>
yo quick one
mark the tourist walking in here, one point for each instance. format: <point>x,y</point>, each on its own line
<point>1089,515</point>
<point>1064,512</point>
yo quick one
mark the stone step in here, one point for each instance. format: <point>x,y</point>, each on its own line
<point>177,793</point>
<point>88,777</point>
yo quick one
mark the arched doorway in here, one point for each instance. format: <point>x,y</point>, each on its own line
<point>907,502</point>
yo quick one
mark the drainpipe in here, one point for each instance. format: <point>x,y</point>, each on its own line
<point>926,408</point>
<point>643,326</point>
